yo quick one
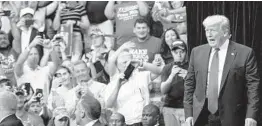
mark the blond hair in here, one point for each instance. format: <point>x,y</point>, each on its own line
<point>221,20</point>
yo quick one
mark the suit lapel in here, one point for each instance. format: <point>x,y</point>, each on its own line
<point>230,56</point>
<point>205,62</point>
<point>9,118</point>
<point>33,34</point>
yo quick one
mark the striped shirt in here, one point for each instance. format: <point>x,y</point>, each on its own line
<point>73,14</point>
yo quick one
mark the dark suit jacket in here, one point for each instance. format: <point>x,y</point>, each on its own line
<point>11,120</point>
<point>98,123</point>
<point>34,33</point>
<point>238,97</point>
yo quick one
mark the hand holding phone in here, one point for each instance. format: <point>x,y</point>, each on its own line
<point>29,22</point>
<point>129,70</point>
<point>39,93</point>
<point>98,66</point>
<point>7,13</point>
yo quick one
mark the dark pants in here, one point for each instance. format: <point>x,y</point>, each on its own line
<point>136,124</point>
<point>207,119</point>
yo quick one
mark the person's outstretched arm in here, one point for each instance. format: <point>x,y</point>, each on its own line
<point>51,8</point>
<point>113,58</point>
<point>57,19</point>
<point>110,10</point>
<point>16,43</point>
<point>143,8</point>
<point>23,57</point>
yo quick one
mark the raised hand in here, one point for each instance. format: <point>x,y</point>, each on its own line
<point>250,122</point>
<point>158,60</point>
<point>62,46</point>
<point>61,6</point>
<point>47,44</point>
<point>36,41</point>
<point>175,70</point>
<point>13,17</point>
<point>182,73</point>
<point>189,121</point>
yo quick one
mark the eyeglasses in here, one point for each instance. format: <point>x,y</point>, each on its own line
<point>64,119</point>
<point>57,75</point>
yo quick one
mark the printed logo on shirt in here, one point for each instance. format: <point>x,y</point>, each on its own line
<point>7,63</point>
<point>140,54</point>
<point>127,13</point>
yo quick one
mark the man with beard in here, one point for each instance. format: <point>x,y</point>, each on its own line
<point>8,57</point>
<point>146,46</point>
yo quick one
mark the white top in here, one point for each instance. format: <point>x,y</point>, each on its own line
<point>38,78</point>
<point>132,97</point>
<point>70,98</point>
<point>6,26</point>
<point>91,123</point>
<point>222,58</point>
<point>25,37</point>
<point>97,89</point>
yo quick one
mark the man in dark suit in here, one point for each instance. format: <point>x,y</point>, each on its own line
<point>8,103</point>
<point>88,111</point>
<point>222,85</point>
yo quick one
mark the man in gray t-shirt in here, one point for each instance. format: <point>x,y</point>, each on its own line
<point>146,46</point>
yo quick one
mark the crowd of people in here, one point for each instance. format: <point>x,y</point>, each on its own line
<point>122,53</point>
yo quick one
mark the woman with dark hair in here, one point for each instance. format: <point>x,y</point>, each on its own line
<point>27,69</point>
<point>169,36</point>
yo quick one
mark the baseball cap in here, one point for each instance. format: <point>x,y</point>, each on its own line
<point>179,44</point>
<point>26,11</point>
<point>96,32</point>
<point>60,112</point>
<point>19,91</point>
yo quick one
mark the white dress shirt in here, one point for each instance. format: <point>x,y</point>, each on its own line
<point>38,78</point>
<point>91,123</point>
<point>25,37</point>
<point>132,96</point>
<point>222,58</point>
